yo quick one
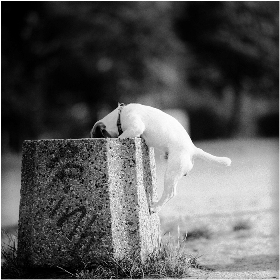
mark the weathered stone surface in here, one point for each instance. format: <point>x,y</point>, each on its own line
<point>86,199</point>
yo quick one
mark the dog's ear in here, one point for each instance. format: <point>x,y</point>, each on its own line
<point>99,131</point>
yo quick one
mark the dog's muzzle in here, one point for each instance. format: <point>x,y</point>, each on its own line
<point>99,131</point>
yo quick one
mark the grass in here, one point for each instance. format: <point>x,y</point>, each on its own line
<point>168,261</point>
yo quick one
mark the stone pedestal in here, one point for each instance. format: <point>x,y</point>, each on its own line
<point>86,199</point>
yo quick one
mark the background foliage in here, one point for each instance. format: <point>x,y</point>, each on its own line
<point>64,62</point>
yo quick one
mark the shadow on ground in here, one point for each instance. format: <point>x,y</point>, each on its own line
<point>251,263</point>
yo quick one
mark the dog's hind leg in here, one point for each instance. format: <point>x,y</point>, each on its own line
<point>174,172</point>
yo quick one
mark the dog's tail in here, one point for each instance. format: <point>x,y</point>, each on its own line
<point>206,156</point>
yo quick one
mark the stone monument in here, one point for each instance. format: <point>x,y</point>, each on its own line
<point>86,199</point>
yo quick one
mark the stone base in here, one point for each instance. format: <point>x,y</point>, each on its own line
<point>86,199</point>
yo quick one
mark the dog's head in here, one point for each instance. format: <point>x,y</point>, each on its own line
<point>99,131</point>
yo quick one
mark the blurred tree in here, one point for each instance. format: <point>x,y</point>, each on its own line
<point>62,60</point>
<point>21,106</point>
<point>235,44</point>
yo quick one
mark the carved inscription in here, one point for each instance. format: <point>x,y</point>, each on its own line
<point>67,173</point>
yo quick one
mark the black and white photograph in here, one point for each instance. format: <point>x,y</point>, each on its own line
<point>139,139</point>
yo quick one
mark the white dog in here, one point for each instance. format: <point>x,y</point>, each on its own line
<point>161,131</point>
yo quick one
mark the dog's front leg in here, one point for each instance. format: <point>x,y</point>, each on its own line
<point>135,129</point>
<point>129,133</point>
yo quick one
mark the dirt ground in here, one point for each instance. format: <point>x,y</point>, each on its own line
<point>230,216</point>
<point>245,252</point>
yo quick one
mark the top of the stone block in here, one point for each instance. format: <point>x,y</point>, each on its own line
<point>85,139</point>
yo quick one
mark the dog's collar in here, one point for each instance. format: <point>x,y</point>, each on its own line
<point>121,105</point>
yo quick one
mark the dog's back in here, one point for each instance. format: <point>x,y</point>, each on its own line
<point>162,131</point>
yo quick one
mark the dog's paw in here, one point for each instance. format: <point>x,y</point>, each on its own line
<point>154,210</point>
